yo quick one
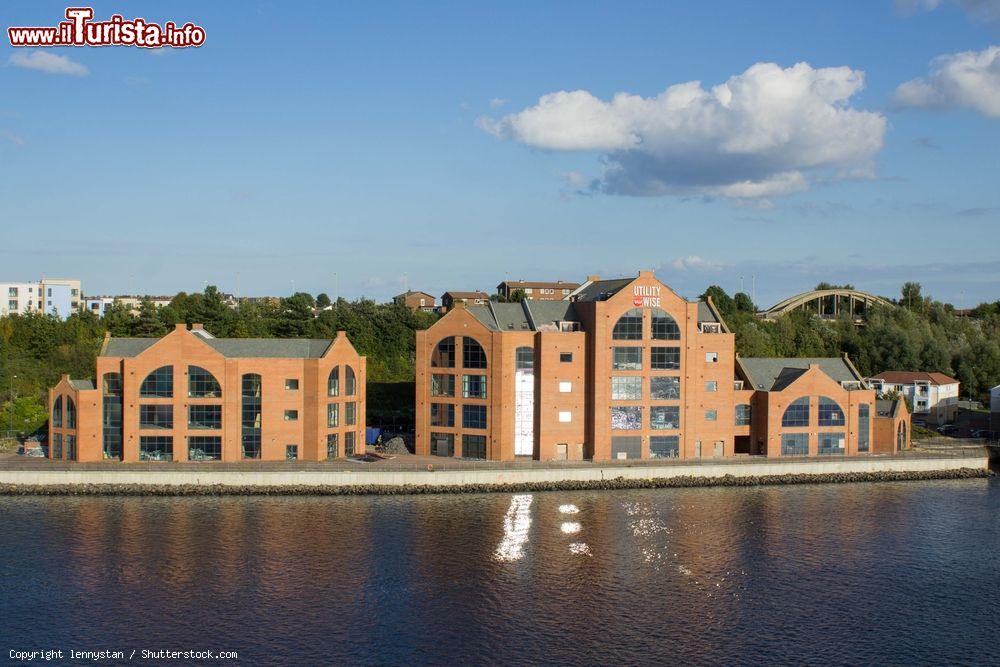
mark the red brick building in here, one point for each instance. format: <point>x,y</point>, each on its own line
<point>191,396</point>
<point>537,290</point>
<point>624,369</point>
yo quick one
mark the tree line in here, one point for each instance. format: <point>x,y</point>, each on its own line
<point>919,334</point>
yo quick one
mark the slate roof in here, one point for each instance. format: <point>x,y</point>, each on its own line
<point>545,313</point>
<point>705,313</point>
<point>884,408</point>
<point>774,374</point>
<point>909,377</point>
<point>273,348</point>
<point>81,385</point>
<point>525,316</point>
<point>601,290</point>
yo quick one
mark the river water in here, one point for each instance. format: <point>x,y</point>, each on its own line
<point>890,573</point>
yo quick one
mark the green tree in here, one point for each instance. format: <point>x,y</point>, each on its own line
<point>322,300</point>
<point>149,324</point>
<point>22,415</point>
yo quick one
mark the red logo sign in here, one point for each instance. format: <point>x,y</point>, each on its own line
<point>637,301</point>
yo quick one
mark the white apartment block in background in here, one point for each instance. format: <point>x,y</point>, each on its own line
<point>99,304</point>
<point>51,296</point>
<point>934,396</point>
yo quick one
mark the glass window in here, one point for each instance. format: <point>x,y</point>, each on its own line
<point>664,417</point>
<point>57,412</point>
<point>831,443</point>
<point>112,384</point>
<point>70,447</point>
<point>292,384</point>
<point>474,446</point>
<point>250,416</point>
<point>665,358</point>
<point>628,326</point>
<point>205,416</point>
<point>156,416</point>
<point>626,418</point>
<point>664,326</point>
<point>524,358</point>
<point>743,414</point>
<point>664,388</point>
<point>711,357</point>
<point>158,384</point>
<point>352,381</point>
<point>204,448</point>
<point>626,447</point>
<point>291,452</point>
<point>202,384</point>
<point>70,412</point>
<point>291,415</point>
<point>711,415</point>
<point>442,385</point>
<point>473,416</point>
<point>333,445</point>
<point>711,385</point>
<point>664,447</point>
<point>349,443</point>
<point>830,413</point>
<point>111,415</point>
<point>56,449</point>
<point>626,358</point>
<point>473,355</point>
<point>626,388</point>
<point>442,414</point>
<point>442,444</point>
<point>443,355</point>
<point>350,413</point>
<point>864,428</point>
<point>473,386</point>
<point>333,382</point>
<point>795,444</point>
<point>333,415</point>
<point>797,414</point>
<point>156,448</point>
<point>566,357</point>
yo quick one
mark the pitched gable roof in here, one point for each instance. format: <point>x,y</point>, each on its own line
<point>774,374</point>
<point>274,348</point>
<point>909,377</point>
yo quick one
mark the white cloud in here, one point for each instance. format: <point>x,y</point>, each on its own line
<point>694,263</point>
<point>14,139</point>
<point>50,63</point>
<point>910,7</point>
<point>498,102</point>
<point>761,133</point>
<point>968,79</point>
<point>576,179</point>
<point>982,10</point>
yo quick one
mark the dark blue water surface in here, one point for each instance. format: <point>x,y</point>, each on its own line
<point>894,573</point>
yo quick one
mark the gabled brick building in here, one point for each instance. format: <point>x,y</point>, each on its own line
<point>191,396</point>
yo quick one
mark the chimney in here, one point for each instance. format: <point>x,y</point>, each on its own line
<point>341,333</point>
<point>593,279</point>
<point>645,274</point>
<point>197,327</point>
<point>180,326</point>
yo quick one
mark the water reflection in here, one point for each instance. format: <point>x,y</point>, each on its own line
<point>516,523</point>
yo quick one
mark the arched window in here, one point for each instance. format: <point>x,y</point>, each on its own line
<point>664,326</point>
<point>350,382</point>
<point>70,413</point>
<point>57,413</point>
<point>158,384</point>
<point>628,326</point>
<point>250,417</point>
<point>830,413</point>
<point>202,384</point>
<point>443,355</point>
<point>473,355</point>
<point>111,413</point>
<point>333,382</point>
<point>797,414</point>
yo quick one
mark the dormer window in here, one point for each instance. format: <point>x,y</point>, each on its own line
<point>711,327</point>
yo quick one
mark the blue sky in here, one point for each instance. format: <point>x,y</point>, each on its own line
<point>349,148</point>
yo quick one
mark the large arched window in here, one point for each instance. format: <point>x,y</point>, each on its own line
<point>350,382</point>
<point>664,326</point>
<point>202,384</point>
<point>830,413</point>
<point>70,413</point>
<point>57,412</point>
<point>797,414</point>
<point>473,355</point>
<point>111,415</point>
<point>443,355</point>
<point>333,382</point>
<point>628,326</point>
<point>158,384</point>
<point>250,417</point>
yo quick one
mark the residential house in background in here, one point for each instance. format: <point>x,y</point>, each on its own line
<point>538,291</point>
<point>995,409</point>
<point>50,296</point>
<point>934,396</point>
<point>415,300</point>
<point>99,304</point>
<point>449,299</point>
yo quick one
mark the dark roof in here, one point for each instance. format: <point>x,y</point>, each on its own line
<point>275,348</point>
<point>885,408</point>
<point>774,374</point>
<point>600,290</point>
<point>411,292</point>
<point>546,313</point>
<point>524,316</point>
<point>909,377</point>
<point>81,385</point>
<point>705,312</point>
<point>466,295</point>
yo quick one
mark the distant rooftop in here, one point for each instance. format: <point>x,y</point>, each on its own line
<point>271,348</point>
<point>774,374</point>
<point>909,377</point>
